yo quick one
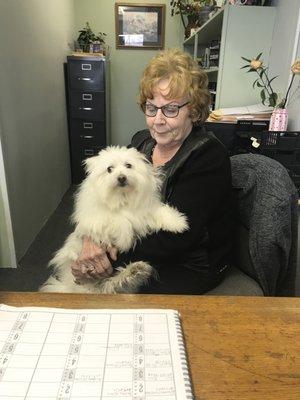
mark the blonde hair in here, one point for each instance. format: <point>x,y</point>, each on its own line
<point>186,79</point>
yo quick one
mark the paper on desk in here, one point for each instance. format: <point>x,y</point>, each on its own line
<point>48,353</point>
<point>253,109</point>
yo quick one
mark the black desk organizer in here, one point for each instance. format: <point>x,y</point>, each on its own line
<point>244,131</point>
<point>281,146</point>
<point>285,148</point>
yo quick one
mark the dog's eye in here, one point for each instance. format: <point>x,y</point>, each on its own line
<point>109,169</point>
<point>127,165</point>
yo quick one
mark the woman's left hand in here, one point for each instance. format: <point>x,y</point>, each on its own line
<point>93,261</point>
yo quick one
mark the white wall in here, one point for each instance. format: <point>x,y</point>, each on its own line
<point>7,245</point>
<point>34,43</point>
<point>284,52</point>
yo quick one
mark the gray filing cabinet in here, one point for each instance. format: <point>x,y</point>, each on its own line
<point>87,87</point>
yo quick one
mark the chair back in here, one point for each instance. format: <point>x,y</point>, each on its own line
<point>267,222</point>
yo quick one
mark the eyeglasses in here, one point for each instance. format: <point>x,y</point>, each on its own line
<point>169,110</point>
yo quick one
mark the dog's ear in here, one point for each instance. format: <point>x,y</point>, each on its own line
<point>145,160</point>
<point>90,164</point>
<point>141,156</point>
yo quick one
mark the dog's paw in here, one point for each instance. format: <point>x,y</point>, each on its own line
<point>128,279</point>
<point>138,270</point>
<point>135,275</point>
<point>171,219</point>
<point>179,223</point>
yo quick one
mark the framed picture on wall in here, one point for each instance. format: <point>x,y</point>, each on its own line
<point>140,26</point>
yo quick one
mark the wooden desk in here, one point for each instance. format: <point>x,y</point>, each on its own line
<point>239,348</point>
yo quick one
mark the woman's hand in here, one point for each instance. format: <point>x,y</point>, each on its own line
<point>93,261</point>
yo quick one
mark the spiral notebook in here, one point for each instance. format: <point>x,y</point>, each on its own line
<point>109,354</point>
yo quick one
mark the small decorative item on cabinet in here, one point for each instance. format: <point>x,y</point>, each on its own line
<point>279,118</point>
<point>89,42</point>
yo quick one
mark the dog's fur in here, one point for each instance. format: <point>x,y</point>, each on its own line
<point>117,204</point>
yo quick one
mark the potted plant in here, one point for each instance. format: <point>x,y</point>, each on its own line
<point>192,13</point>
<point>279,118</point>
<point>88,42</point>
<point>85,38</point>
<point>99,42</point>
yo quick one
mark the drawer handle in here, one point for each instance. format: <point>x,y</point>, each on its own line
<point>80,78</point>
<point>88,152</point>
<point>86,137</point>
<point>88,125</point>
<point>87,96</point>
<point>85,108</point>
<point>86,67</point>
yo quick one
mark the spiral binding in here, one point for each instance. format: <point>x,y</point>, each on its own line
<point>182,354</point>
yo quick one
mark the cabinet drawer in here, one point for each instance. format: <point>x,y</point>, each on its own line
<point>86,75</point>
<point>88,133</point>
<point>87,105</point>
<point>89,151</point>
<point>78,155</point>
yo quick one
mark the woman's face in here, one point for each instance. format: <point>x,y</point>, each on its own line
<point>168,131</point>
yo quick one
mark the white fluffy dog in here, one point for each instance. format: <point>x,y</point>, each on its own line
<point>117,203</point>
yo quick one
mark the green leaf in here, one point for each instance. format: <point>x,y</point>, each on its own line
<point>271,102</point>
<point>245,66</point>
<point>263,96</point>
<point>251,70</point>
<point>273,99</point>
<point>246,59</point>
<point>254,83</point>
<point>261,73</point>
<point>273,78</point>
<point>260,85</point>
<point>258,57</point>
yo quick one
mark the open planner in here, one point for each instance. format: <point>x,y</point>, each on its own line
<point>107,354</point>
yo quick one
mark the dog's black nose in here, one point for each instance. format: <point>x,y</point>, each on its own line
<point>122,180</point>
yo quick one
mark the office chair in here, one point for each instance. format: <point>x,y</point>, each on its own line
<point>267,225</point>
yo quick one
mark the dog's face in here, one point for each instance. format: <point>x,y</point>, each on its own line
<point>118,172</point>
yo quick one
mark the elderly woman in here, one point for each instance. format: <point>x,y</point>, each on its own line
<point>197,180</point>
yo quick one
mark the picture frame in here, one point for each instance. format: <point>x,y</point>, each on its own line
<point>140,26</point>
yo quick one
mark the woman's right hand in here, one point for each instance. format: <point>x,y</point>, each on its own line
<point>93,261</point>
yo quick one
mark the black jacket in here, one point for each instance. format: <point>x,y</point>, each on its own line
<point>198,183</point>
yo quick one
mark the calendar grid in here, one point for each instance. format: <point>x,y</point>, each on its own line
<point>56,354</point>
<point>38,358</point>
<point>103,374</point>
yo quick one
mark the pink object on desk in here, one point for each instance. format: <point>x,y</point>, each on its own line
<point>279,120</point>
